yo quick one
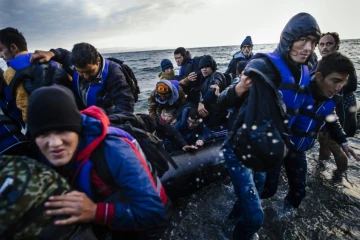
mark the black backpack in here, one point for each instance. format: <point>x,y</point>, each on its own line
<point>151,145</point>
<point>129,76</point>
<point>38,75</point>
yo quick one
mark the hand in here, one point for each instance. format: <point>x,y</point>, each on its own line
<point>243,86</point>
<point>202,111</point>
<point>173,122</point>
<point>76,204</point>
<point>42,56</point>
<point>199,143</point>
<point>192,76</point>
<point>350,152</point>
<point>188,147</point>
<point>217,89</point>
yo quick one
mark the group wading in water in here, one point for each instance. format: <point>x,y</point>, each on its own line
<point>76,161</point>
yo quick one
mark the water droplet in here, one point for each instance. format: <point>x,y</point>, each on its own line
<point>244,126</point>
<point>269,134</point>
<point>254,127</point>
<point>275,141</point>
<point>330,118</point>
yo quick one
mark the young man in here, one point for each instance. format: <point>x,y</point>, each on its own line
<point>297,42</point>
<point>96,80</point>
<point>345,109</point>
<point>214,83</point>
<point>244,55</point>
<point>21,76</point>
<point>114,184</point>
<point>167,70</point>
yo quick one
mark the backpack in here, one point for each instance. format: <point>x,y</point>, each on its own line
<point>129,76</point>
<point>25,185</point>
<point>38,75</point>
<point>151,145</point>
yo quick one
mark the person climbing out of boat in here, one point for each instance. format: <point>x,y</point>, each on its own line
<point>167,94</point>
<point>115,186</point>
<point>244,55</point>
<point>265,75</point>
<point>345,109</point>
<point>96,80</point>
<point>189,80</point>
<point>167,70</point>
<point>214,83</point>
<point>192,129</point>
<point>21,76</point>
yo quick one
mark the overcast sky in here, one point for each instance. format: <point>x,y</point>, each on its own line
<point>139,24</point>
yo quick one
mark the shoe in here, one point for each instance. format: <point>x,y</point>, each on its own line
<point>324,150</point>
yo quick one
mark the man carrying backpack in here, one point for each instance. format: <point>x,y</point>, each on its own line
<point>21,76</point>
<point>96,80</point>
<point>115,184</point>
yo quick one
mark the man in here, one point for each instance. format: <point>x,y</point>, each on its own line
<point>21,76</point>
<point>214,82</point>
<point>345,109</point>
<point>244,55</point>
<point>116,189</point>
<point>167,70</point>
<point>96,80</point>
<point>297,42</point>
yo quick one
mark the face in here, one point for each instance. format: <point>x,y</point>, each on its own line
<point>332,83</point>
<point>206,71</point>
<point>302,49</point>
<point>179,59</point>
<point>164,97</point>
<point>58,147</point>
<point>169,70</point>
<point>168,117</point>
<point>246,50</point>
<point>192,123</point>
<point>7,53</point>
<point>90,71</point>
<point>327,45</point>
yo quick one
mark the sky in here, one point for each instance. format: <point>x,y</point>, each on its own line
<point>129,25</point>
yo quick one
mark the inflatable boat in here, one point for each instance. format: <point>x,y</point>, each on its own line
<point>195,170</point>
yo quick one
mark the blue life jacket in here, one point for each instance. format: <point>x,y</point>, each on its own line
<point>91,96</point>
<point>308,123</point>
<point>10,135</point>
<point>293,94</point>
<point>180,70</point>
<point>175,83</point>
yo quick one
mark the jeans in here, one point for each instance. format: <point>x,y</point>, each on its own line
<point>247,187</point>
<point>296,169</point>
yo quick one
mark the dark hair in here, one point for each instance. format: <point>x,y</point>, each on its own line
<point>336,37</point>
<point>240,66</point>
<point>194,114</point>
<point>335,62</point>
<point>10,36</point>
<point>183,52</point>
<point>83,54</point>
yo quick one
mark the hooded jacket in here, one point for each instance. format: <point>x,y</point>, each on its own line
<point>136,200</point>
<point>237,57</point>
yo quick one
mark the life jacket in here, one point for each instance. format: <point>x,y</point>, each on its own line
<point>308,123</point>
<point>83,174</point>
<point>92,94</point>
<point>293,94</point>
<point>181,67</point>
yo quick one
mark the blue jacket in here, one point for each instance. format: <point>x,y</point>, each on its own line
<point>237,57</point>
<point>137,200</point>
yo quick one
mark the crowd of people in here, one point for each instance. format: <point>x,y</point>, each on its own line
<point>58,106</point>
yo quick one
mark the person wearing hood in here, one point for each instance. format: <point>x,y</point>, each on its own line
<point>297,42</point>
<point>244,55</point>
<point>167,94</point>
<point>214,82</point>
<point>119,192</point>
<point>167,70</point>
<point>345,109</point>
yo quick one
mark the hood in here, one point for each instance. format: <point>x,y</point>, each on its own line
<point>300,25</point>
<point>94,128</point>
<point>184,117</point>
<point>174,93</point>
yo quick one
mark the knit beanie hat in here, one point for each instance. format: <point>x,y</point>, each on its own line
<point>52,108</point>
<point>162,88</point>
<point>165,64</point>
<point>207,61</point>
<point>247,41</point>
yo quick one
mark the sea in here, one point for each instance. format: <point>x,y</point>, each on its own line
<point>331,209</point>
